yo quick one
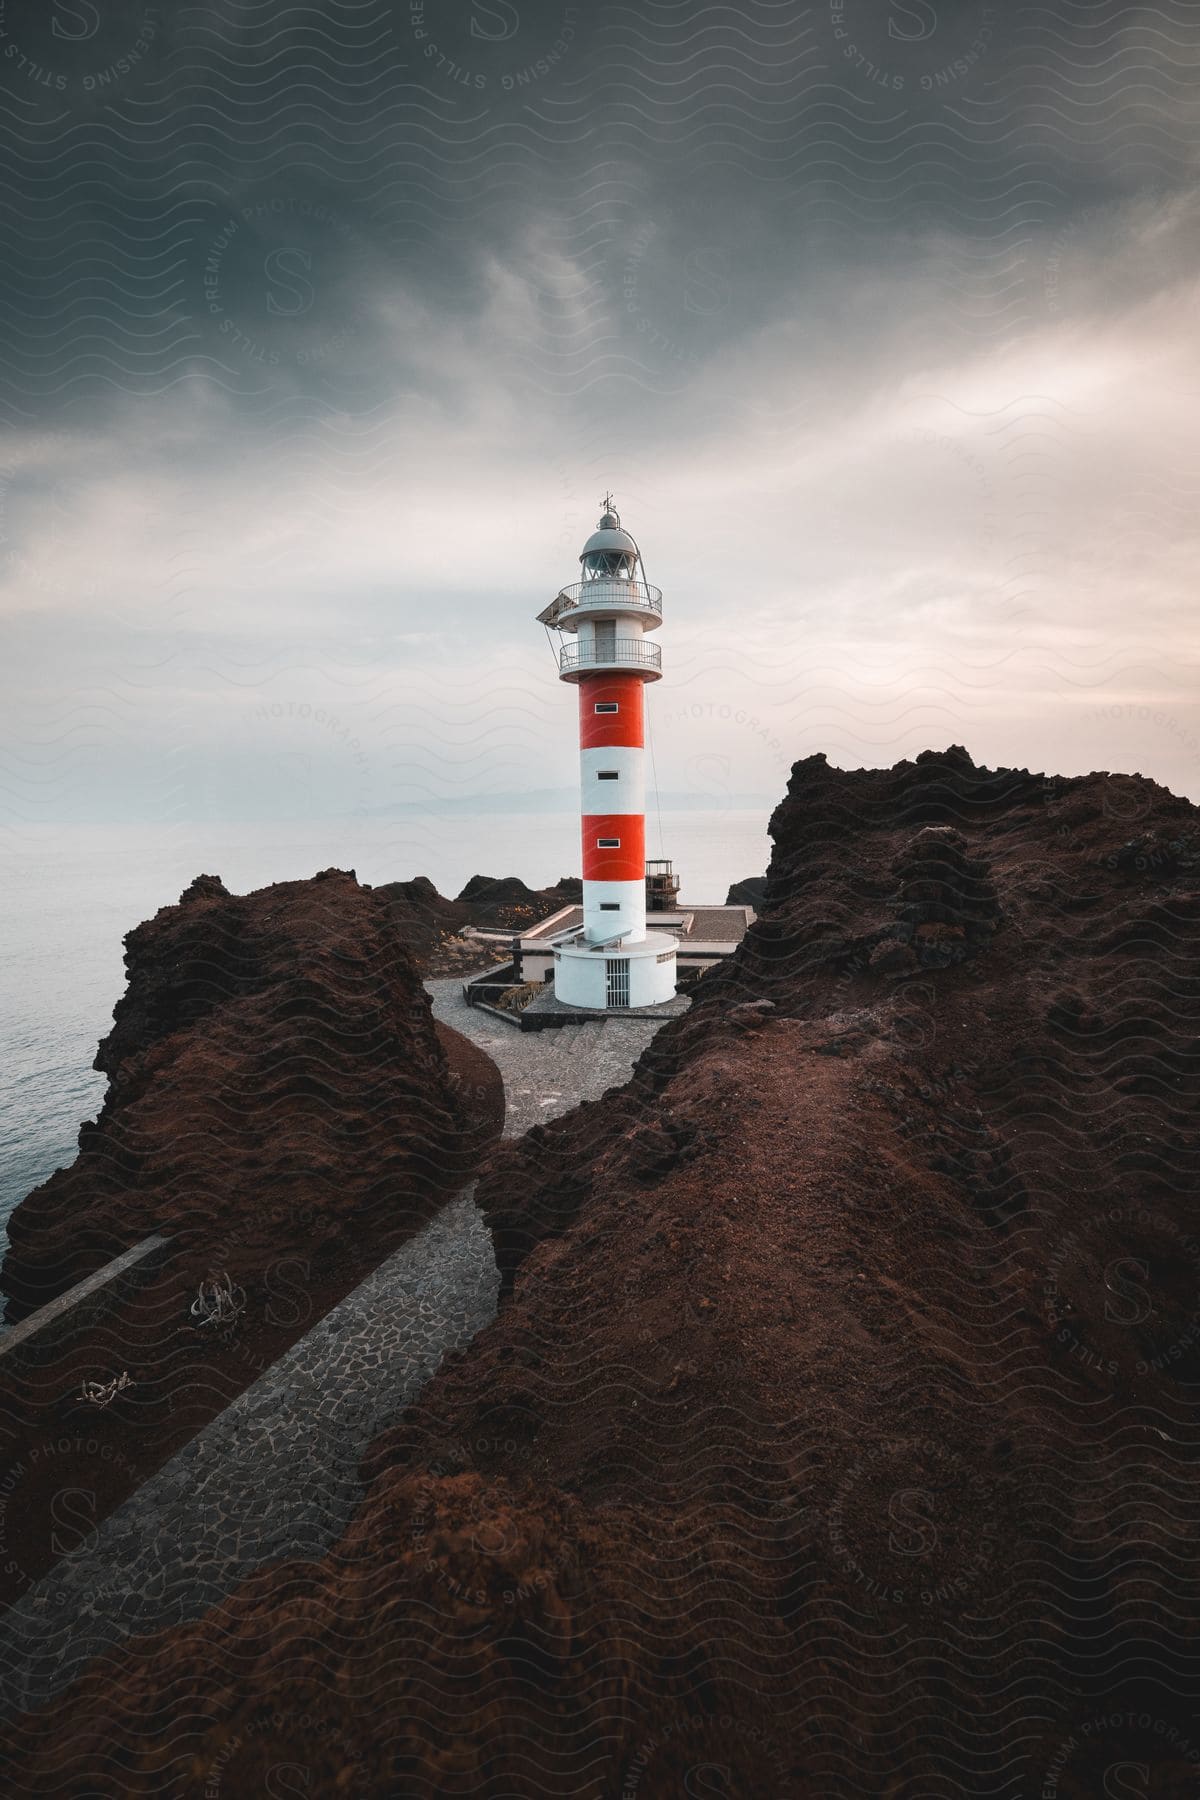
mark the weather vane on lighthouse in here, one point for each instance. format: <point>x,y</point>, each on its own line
<point>614,963</point>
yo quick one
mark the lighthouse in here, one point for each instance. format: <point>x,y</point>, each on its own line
<point>605,652</point>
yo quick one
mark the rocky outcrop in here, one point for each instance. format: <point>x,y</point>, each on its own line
<point>943,915</point>
<point>837,1435</point>
<point>748,892</point>
<point>424,918</point>
<point>506,901</point>
<point>431,926</point>
<point>275,1082</point>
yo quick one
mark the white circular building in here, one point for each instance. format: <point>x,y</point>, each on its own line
<point>614,963</point>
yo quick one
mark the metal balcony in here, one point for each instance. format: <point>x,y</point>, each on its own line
<point>612,595</point>
<point>575,660</point>
<point>662,886</point>
<point>602,596</point>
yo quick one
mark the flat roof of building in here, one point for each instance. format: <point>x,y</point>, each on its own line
<point>570,918</point>
<point>695,924</point>
<point>717,924</point>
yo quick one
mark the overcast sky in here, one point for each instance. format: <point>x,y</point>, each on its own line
<point>326,328</point>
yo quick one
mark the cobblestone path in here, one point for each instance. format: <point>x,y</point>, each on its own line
<point>546,1072</point>
<point>275,1474</point>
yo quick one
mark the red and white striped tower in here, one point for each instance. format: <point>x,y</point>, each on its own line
<point>614,963</point>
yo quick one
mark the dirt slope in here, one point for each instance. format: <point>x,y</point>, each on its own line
<point>837,1436</point>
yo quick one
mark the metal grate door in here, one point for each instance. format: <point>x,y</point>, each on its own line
<point>616,968</point>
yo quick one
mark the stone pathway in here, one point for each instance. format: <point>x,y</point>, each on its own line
<point>275,1474</point>
<point>546,1072</point>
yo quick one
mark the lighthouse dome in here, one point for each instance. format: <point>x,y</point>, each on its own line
<point>609,537</point>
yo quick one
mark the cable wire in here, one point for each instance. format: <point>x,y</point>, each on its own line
<point>662,843</point>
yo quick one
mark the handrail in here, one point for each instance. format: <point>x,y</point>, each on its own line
<point>612,594</point>
<point>622,651</point>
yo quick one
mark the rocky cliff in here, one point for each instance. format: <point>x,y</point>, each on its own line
<point>424,918</point>
<point>430,925</point>
<point>837,1434</point>
<point>275,1082</point>
<point>747,893</point>
<point>506,902</point>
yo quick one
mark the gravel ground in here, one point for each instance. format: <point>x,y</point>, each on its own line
<point>546,1072</point>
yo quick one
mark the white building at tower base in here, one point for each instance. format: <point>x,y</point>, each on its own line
<point>618,975</point>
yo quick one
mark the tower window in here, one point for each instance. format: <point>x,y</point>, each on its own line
<point>606,706</point>
<point>608,843</point>
<point>608,774</point>
<point>610,906</point>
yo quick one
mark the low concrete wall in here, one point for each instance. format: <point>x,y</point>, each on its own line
<point>498,1012</point>
<point>490,983</point>
<point>43,1334</point>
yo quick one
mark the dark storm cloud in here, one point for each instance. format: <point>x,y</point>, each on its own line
<point>879,314</point>
<point>184,178</point>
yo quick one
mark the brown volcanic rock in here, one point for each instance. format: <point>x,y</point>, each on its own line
<point>748,892</point>
<point>1021,959</point>
<point>429,924</point>
<point>507,903</point>
<point>424,918</point>
<point>183,1376</point>
<point>275,1081</point>
<point>836,1435</point>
